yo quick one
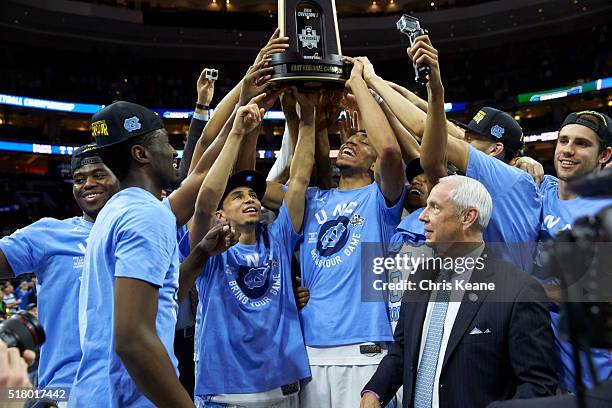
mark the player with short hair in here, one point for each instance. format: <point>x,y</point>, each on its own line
<point>247,305</point>
<point>346,337</point>
<point>54,250</point>
<point>583,146</point>
<point>127,300</point>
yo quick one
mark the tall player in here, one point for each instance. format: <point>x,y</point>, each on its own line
<point>583,146</point>
<point>247,305</point>
<point>127,299</point>
<point>344,336</point>
<point>54,250</point>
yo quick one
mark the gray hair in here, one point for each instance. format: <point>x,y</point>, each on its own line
<point>468,193</point>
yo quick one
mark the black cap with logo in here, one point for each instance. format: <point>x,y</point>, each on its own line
<point>603,130</point>
<point>498,125</point>
<point>246,178</point>
<point>121,121</point>
<point>84,155</point>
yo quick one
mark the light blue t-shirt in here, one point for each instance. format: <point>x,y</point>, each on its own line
<point>409,240</point>
<point>515,220</point>
<point>336,223</point>
<point>134,237</point>
<point>54,250</point>
<point>558,215</point>
<point>410,230</point>
<point>248,335</point>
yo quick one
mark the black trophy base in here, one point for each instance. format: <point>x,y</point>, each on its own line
<point>291,69</point>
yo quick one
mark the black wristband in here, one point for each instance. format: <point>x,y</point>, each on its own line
<point>201,107</point>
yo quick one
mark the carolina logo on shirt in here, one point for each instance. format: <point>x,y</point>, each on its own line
<point>256,286</point>
<point>337,236</point>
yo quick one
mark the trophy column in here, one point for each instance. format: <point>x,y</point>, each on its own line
<point>313,58</point>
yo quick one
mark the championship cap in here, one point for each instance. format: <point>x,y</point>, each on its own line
<point>84,155</point>
<point>246,178</point>
<point>603,130</point>
<point>499,125</point>
<point>121,121</point>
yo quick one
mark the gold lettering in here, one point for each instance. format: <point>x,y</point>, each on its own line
<point>479,116</point>
<point>99,128</point>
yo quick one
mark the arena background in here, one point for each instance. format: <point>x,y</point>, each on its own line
<point>61,60</point>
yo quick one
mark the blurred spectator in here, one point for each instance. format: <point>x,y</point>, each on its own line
<point>9,298</point>
<point>24,293</point>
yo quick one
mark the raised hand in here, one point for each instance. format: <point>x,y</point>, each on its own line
<point>205,88</point>
<point>288,104</point>
<point>348,125</point>
<point>249,116</point>
<point>219,239</point>
<point>255,81</point>
<point>423,52</point>
<point>275,44</point>
<point>356,72</point>
<point>305,104</point>
<point>368,68</point>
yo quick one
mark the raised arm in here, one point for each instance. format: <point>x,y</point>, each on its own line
<point>389,162</point>
<point>247,118</point>
<point>433,145</point>
<point>303,160</point>
<point>411,96</point>
<point>205,89</point>
<point>406,140</point>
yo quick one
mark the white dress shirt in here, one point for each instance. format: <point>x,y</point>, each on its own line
<point>449,321</point>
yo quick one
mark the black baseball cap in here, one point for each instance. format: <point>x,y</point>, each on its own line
<point>84,155</point>
<point>498,125</point>
<point>121,121</point>
<point>246,178</point>
<point>603,130</point>
<point>413,169</point>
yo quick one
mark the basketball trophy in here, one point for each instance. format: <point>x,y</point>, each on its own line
<point>313,59</point>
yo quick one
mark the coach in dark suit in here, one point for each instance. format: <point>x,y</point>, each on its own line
<point>493,345</point>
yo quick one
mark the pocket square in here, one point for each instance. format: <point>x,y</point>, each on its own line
<point>476,330</point>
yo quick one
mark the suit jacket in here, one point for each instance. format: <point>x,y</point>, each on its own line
<point>598,397</point>
<point>514,360</point>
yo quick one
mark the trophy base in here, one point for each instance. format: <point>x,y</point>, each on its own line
<point>292,69</point>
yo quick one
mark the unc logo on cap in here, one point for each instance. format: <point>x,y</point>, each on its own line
<point>497,131</point>
<point>132,124</point>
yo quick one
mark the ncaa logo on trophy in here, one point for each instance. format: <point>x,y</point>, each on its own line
<point>313,59</point>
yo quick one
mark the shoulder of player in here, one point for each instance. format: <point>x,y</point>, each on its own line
<point>548,183</point>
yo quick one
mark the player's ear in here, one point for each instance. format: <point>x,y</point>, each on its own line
<point>140,154</point>
<point>220,216</point>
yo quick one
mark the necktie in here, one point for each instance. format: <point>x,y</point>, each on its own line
<point>426,373</point>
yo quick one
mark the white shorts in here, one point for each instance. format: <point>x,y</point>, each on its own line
<point>289,402</point>
<point>335,386</point>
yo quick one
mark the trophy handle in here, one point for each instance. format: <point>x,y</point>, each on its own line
<point>333,4</point>
<point>281,17</point>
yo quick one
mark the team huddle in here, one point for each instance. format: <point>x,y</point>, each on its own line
<point>276,261</point>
